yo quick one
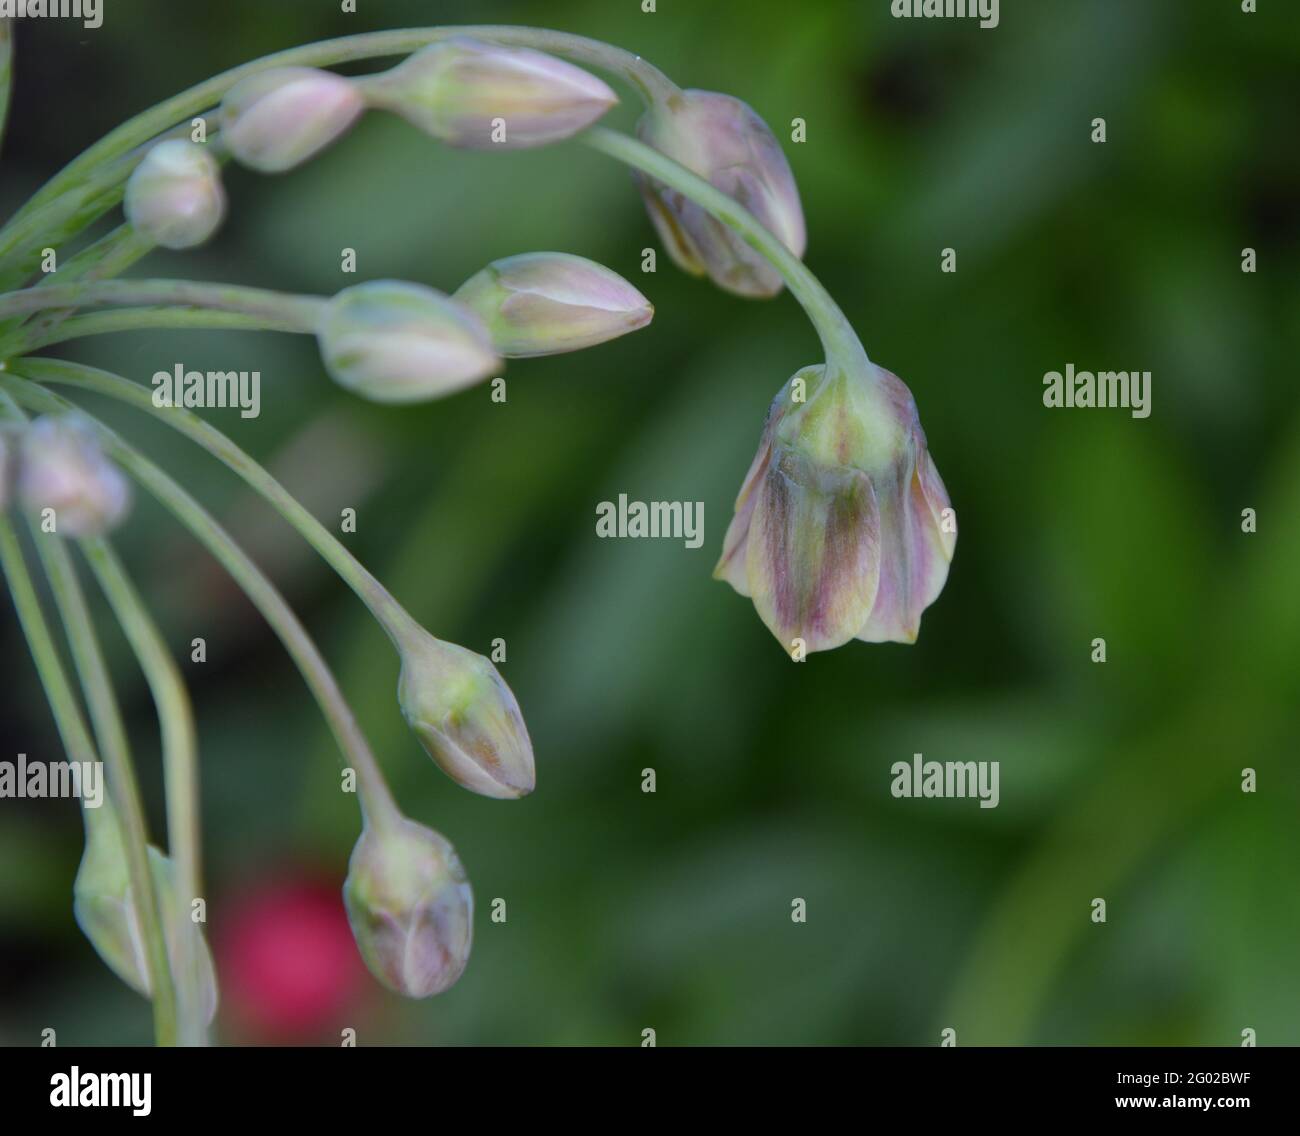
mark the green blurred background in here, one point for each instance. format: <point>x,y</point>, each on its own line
<point>672,911</point>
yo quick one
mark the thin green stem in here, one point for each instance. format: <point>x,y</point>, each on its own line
<point>125,793</point>
<point>6,70</point>
<point>391,615</point>
<point>139,319</point>
<point>376,801</point>
<point>179,748</point>
<point>837,335</point>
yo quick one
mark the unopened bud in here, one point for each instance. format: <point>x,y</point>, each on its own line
<point>391,341</point>
<point>174,196</point>
<point>481,96</point>
<point>724,141</point>
<point>543,303</point>
<point>466,717</point>
<point>411,908</point>
<point>61,467</point>
<point>277,119</point>
<point>104,905</point>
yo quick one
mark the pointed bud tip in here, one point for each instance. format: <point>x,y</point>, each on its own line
<point>277,119</point>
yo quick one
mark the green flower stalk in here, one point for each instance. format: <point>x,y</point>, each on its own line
<point>545,303</point>
<point>174,196</point>
<point>481,96</point>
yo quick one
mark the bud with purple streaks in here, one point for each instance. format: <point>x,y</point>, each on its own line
<point>62,468</point>
<point>277,119</point>
<point>465,716</point>
<point>724,141</point>
<point>843,528</point>
<point>411,908</point>
<point>174,196</point>
<point>480,95</point>
<point>543,303</point>
<point>390,341</point>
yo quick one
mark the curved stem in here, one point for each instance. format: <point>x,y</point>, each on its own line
<point>76,740</point>
<point>6,70</point>
<point>649,81</point>
<point>137,319</point>
<point>391,615</point>
<point>376,801</point>
<point>264,303</point>
<point>179,749</point>
<point>836,333</point>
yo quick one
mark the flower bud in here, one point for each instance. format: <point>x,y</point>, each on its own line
<point>411,908</point>
<point>543,303</point>
<point>174,196</point>
<point>62,468</point>
<point>277,119</point>
<point>843,528</point>
<point>482,96</point>
<point>105,908</point>
<point>724,141</point>
<point>466,717</point>
<point>395,342</point>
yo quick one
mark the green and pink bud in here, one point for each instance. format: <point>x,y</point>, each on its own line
<point>843,528</point>
<point>465,716</point>
<point>174,196</point>
<point>62,469</point>
<point>482,96</point>
<point>391,341</point>
<point>544,303</point>
<point>277,119</point>
<point>724,141</point>
<point>411,908</point>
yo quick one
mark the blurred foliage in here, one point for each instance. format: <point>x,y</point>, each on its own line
<point>671,910</point>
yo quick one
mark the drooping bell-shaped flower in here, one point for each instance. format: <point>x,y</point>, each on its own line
<point>391,341</point>
<point>724,141</point>
<point>543,303</point>
<point>465,716</point>
<point>411,908</point>
<point>62,468</point>
<point>104,905</point>
<point>174,196</point>
<point>483,96</point>
<point>843,528</point>
<point>277,119</point>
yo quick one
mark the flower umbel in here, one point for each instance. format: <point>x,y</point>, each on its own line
<point>465,716</point>
<point>411,908</point>
<point>723,140</point>
<point>543,303</point>
<point>482,96</point>
<point>843,528</point>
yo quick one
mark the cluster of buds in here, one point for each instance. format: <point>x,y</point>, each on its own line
<point>54,468</point>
